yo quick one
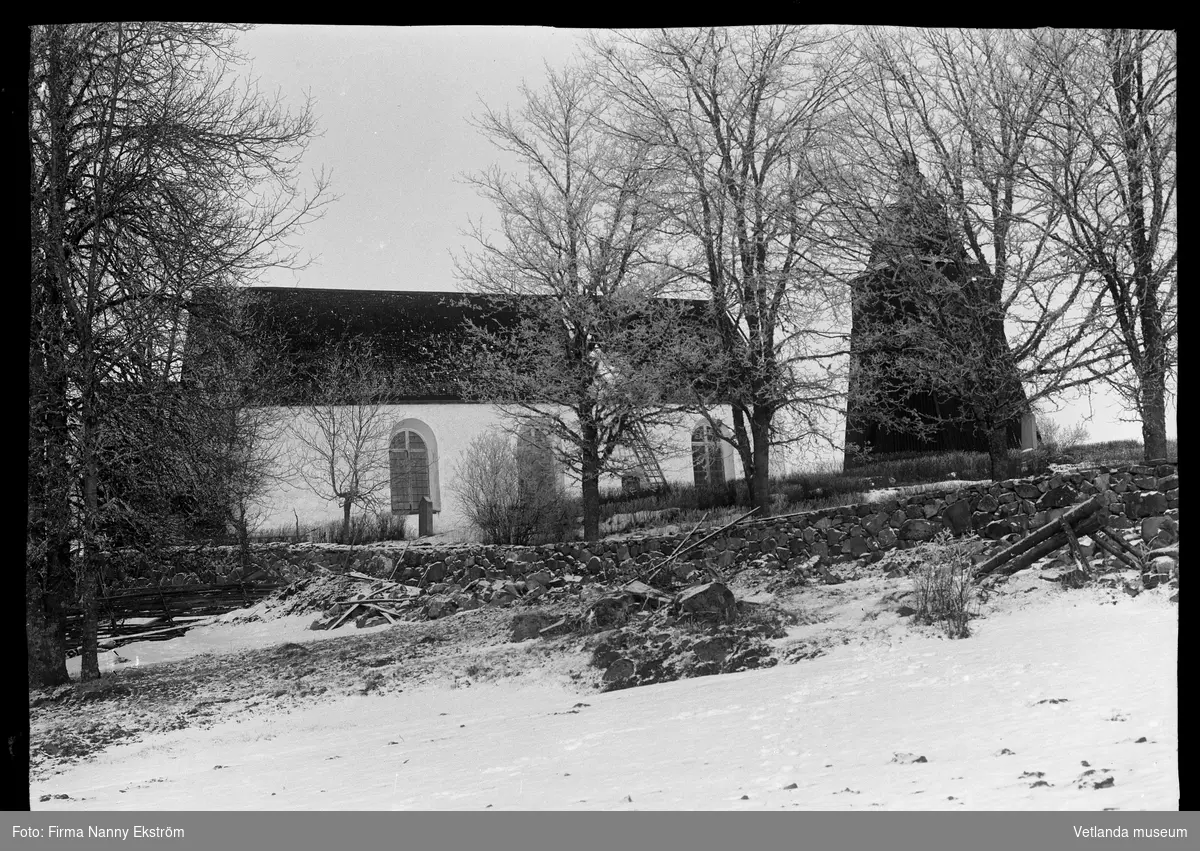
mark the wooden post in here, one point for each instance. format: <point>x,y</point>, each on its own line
<point>1081,560</point>
<point>425,517</point>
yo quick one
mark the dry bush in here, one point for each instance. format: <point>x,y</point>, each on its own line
<point>504,509</point>
<point>945,587</point>
<point>1056,437</point>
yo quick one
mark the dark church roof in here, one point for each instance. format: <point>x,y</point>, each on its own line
<point>422,335</point>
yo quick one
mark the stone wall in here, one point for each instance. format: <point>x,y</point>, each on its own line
<point>1135,494</point>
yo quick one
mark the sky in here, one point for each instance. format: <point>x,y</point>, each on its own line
<point>395,104</point>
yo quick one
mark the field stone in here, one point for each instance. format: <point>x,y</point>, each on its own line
<point>997,529</point>
<point>619,671</point>
<point>987,503</point>
<point>713,649</point>
<point>875,523</point>
<point>957,517</point>
<point>526,625</point>
<point>610,610</point>
<point>1057,497</point>
<point>709,600</point>
<point>1139,505</point>
<point>1159,531</point>
<point>917,530</point>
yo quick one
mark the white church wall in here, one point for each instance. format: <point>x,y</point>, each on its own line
<point>451,427</point>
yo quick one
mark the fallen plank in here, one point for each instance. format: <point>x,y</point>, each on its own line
<point>138,636</point>
<point>714,534</point>
<point>1044,547</point>
<point>1120,541</point>
<point>1034,540</point>
<point>371,600</point>
<point>391,617</point>
<point>658,568</point>
<point>1105,543</point>
<point>1081,559</point>
<point>642,591</point>
<point>356,603</point>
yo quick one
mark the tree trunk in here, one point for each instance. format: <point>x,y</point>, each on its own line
<point>242,528</point>
<point>346,521</point>
<point>1153,389</point>
<point>1154,419</point>
<point>89,662</point>
<point>87,566</point>
<point>45,624</point>
<point>745,449</point>
<point>48,555</point>
<point>590,480</point>
<point>760,427</point>
<point>998,452</point>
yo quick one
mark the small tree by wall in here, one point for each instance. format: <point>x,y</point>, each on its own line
<point>342,430</point>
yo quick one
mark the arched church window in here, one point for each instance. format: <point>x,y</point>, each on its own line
<point>708,461</point>
<point>410,464</point>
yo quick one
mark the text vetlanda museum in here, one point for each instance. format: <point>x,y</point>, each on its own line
<point>138,831</point>
<point>1082,832</point>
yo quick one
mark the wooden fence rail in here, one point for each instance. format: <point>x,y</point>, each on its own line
<point>162,606</point>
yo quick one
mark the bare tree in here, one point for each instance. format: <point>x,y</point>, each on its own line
<point>342,429</point>
<point>236,368</point>
<point>501,498</point>
<point>739,117</point>
<point>1110,164</point>
<point>985,305</point>
<point>152,177</point>
<point>571,258</point>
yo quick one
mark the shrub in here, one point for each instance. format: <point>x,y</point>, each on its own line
<point>505,508</point>
<point>364,529</point>
<point>945,587</point>
<point>1057,438</point>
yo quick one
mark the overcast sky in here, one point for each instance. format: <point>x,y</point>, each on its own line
<point>394,104</point>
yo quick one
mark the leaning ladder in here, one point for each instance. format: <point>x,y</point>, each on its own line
<point>639,444</point>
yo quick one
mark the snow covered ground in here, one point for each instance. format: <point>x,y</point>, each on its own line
<point>1054,694</point>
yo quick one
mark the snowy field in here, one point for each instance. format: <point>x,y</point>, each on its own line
<point>1059,701</point>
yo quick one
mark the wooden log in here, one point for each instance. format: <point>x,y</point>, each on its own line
<point>1044,547</point>
<point>717,532</point>
<point>372,601</point>
<point>1081,560</point>
<point>391,617</point>
<point>1116,552</point>
<point>347,613</point>
<point>368,598</point>
<point>399,560</point>
<point>1120,541</point>
<point>150,634</point>
<point>1072,516</point>
<point>675,553</point>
